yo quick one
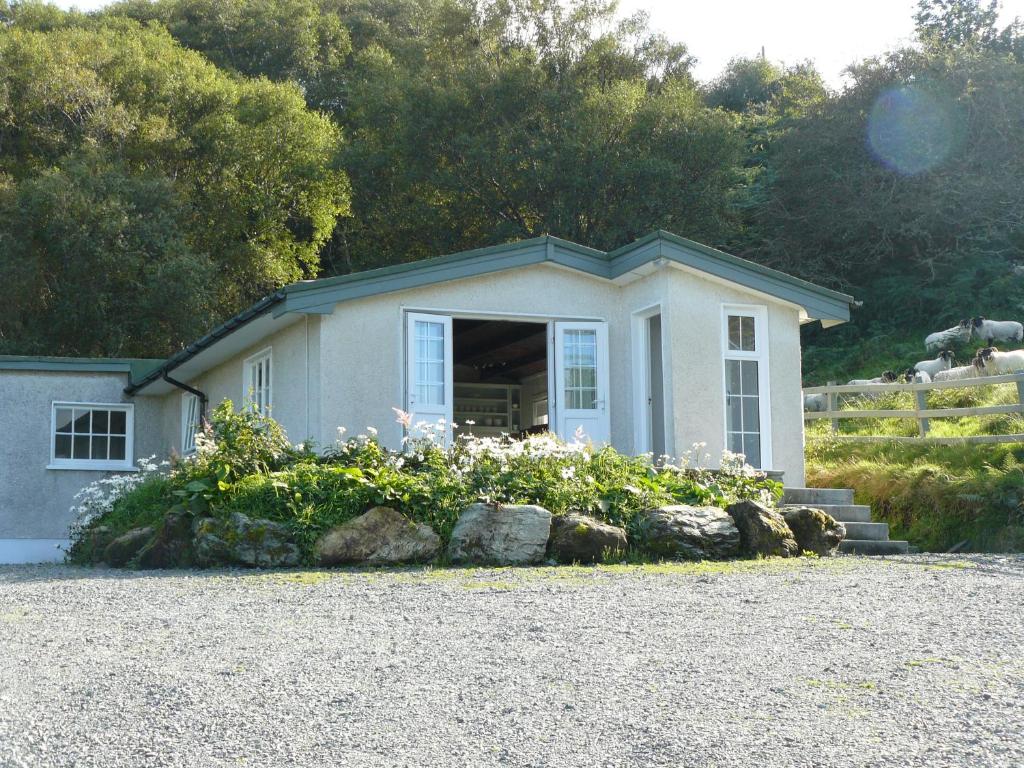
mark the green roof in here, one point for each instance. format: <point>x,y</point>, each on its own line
<point>320,296</point>
<point>134,367</point>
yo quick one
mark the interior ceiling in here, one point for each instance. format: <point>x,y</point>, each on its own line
<point>499,349</point>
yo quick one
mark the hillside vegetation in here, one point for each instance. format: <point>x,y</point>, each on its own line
<point>163,163</point>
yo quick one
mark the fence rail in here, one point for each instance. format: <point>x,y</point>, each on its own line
<point>921,412</point>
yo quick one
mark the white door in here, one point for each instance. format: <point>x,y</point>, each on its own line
<point>581,381</point>
<point>430,383</point>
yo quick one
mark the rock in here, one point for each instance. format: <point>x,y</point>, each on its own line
<point>577,538</point>
<point>382,536</point>
<point>763,531</point>
<point>241,540</point>
<point>500,535</point>
<point>125,547</point>
<point>691,533</point>
<point>815,531</point>
<point>209,549</point>
<point>172,545</point>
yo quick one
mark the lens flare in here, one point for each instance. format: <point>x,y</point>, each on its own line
<point>910,131</point>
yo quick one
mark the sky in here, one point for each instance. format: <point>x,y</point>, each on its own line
<point>832,33</point>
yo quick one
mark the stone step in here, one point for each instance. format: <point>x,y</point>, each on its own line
<point>867,531</point>
<point>867,547</point>
<point>812,497</point>
<point>844,513</point>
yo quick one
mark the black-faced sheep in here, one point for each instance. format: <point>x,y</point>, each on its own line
<point>996,363</point>
<point>941,363</point>
<point>997,330</point>
<point>888,377</point>
<point>958,334</point>
<point>912,376</point>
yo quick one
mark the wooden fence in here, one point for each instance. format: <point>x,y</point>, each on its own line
<point>921,412</point>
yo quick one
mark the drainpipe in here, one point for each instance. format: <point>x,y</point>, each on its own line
<point>203,400</point>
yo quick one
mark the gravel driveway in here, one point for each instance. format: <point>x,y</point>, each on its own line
<point>915,661</point>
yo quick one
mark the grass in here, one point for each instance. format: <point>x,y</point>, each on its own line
<point>935,496</point>
<point>509,577</point>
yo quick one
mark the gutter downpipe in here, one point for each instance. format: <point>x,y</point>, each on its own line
<point>203,399</point>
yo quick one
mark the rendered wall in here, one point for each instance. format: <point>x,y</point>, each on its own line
<point>362,351</point>
<point>294,378</point>
<point>34,500</point>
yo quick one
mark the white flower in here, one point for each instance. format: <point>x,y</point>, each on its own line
<point>372,431</point>
<point>568,473</point>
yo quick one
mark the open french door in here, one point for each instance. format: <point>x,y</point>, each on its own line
<point>581,381</point>
<point>430,388</point>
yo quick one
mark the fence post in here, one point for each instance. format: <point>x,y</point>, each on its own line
<point>1020,391</point>
<point>921,404</point>
<point>833,405</point>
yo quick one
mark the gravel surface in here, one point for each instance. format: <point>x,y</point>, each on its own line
<point>913,661</point>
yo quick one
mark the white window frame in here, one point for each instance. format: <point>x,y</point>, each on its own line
<point>247,379</point>
<point>189,426</point>
<point>761,341</point>
<point>90,464</point>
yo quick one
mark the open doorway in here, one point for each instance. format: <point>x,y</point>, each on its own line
<point>500,377</point>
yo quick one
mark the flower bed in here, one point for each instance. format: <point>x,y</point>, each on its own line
<point>244,465</point>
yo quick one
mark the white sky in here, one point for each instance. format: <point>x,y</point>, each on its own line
<point>832,33</point>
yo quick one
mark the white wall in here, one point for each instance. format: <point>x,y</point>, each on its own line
<point>35,501</point>
<point>294,376</point>
<point>362,353</point>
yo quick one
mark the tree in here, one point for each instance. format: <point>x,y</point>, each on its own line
<point>472,123</point>
<point>254,173</point>
<point>96,263</point>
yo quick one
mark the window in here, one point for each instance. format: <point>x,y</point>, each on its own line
<point>189,422</point>
<point>258,381</point>
<point>430,374</point>
<point>91,436</point>
<point>746,384</point>
<point>580,369</point>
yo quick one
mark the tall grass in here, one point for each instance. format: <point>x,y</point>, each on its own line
<point>935,496</point>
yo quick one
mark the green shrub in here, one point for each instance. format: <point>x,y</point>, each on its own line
<point>244,464</point>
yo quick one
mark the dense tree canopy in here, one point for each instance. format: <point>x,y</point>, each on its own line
<point>219,148</point>
<point>121,117</point>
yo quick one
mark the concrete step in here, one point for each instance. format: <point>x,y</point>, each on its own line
<point>812,497</point>
<point>867,531</point>
<point>844,513</point>
<point>867,547</point>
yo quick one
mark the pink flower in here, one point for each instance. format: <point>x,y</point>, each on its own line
<point>403,418</point>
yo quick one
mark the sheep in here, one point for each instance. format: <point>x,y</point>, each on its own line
<point>958,334</point>
<point>917,377</point>
<point>996,363</point>
<point>941,363</point>
<point>971,371</point>
<point>997,330</point>
<point>816,403</point>
<point>888,377</point>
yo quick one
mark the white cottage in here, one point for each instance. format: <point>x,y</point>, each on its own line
<point>651,348</point>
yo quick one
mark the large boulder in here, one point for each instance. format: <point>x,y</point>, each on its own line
<point>500,535</point>
<point>382,536</point>
<point>815,531</point>
<point>577,538</point>
<point>690,533</point>
<point>209,548</point>
<point>171,547</point>
<point>125,547</point>
<point>763,531</point>
<point>242,540</point>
